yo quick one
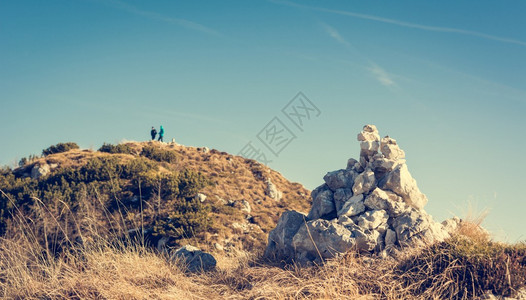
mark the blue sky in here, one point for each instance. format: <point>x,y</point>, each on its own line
<point>446,79</point>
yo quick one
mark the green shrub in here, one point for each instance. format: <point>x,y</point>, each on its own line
<point>60,147</point>
<point>191,182</point>
<point>188,218</point>
<point>159,154</point>
<point>27,160</point>
<point>120,148</point>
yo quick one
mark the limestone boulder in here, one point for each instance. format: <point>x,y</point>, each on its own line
<point>354,206</point>
<point>402,183</point>
<point>372,219</point>
<point>364,182</point>
<point>369,133</point>
<point>323,205</point>
<point>321,239</point>
<point>389,201</point>
<point>40,170</point>
<point>280,238</point>
<point>390,149</point>
<point>341,196</point>
<point>339,179</point>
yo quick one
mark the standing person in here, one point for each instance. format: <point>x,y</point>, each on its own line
<point>161,134</point>
<point>153,133</point>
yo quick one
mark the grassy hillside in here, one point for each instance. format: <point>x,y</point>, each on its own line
<point>149,187</point>
<point>75,233</point>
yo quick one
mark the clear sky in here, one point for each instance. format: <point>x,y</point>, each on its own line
<point>447,79</point>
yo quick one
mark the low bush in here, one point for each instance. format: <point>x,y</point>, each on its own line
<point>120,148</point>
<point>159,154</point>
<point>59,148</point>
<point>187,218</point>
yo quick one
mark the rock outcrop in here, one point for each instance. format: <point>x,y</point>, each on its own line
<point>373,205</point>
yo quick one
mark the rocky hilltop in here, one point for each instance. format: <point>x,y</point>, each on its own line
<point>373,205</point>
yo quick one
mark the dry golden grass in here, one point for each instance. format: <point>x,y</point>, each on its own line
<point>111,268</point>
<point>108,266</point>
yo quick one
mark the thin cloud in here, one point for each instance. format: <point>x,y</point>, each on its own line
<point>159,17</point>
<point>333,33</point>
<point>405,24</point>
<point>381,75</point>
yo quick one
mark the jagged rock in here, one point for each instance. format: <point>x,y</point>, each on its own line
<point>382,165</point>
<point>374,205</point>
<point>390,149</point>
<point>320,239</point>
<point>402,183</point>
<point>369,133</point>
<point>322,205</point>
<point>200,197</point>
<point>372,219</point>
<point>272,191</point>
<point>280,238</point>
<point>194,259</point>
<point>369,141</point>
<point>341,196</point>
<point>364,182</point>
<point>380,199</point>
<point>338,179</point>
<point>417,227</point>
<point>354,206</point>
<point>40,170</point>
<point>369,148</point>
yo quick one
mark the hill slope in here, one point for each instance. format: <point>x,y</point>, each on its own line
<point>243,197</point>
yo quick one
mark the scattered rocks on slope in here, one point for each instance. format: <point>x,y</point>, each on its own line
<point>272,191</point>
<point>372,206</point>
<point>194,259</point>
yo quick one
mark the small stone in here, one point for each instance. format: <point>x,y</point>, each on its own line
<point>243,205</point>
<point>194,259</point>
<point>200,197</point>
<point>272,191</point>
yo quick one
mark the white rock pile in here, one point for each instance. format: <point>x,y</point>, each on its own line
<point>374,205</point>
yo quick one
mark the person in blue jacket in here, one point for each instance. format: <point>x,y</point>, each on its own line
<point>161,134</point>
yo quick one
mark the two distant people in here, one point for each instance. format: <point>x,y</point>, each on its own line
<point>153,132</point>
